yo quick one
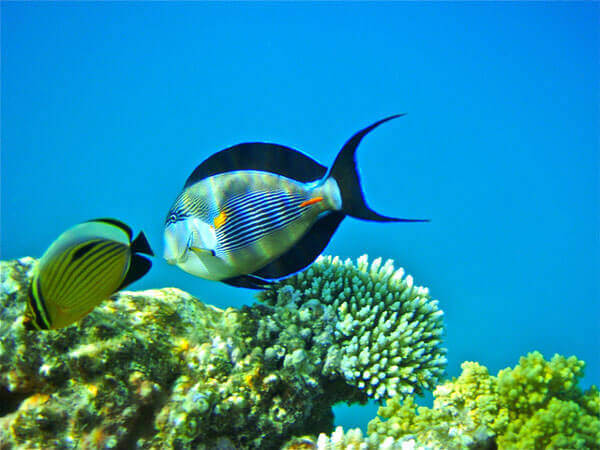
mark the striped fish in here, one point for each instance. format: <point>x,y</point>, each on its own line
<point>84,266</point>
<point>258,212</point>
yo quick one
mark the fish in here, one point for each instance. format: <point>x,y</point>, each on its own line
<point>258,212</point>
<point>84,266</point>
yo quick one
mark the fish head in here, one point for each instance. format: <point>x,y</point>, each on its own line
<point>190,244</point>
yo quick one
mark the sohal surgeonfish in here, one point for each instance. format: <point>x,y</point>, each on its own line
<point>257,212</point>
<point>84,266</point>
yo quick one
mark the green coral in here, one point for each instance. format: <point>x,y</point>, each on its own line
<point>373,328</point>
<point>535,405</point>
<point>544,405</point>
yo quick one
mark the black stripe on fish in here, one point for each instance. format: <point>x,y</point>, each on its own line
<point>83,250</point>
<point>253,234</point>
<point>268,213</point>
<point>67,266</point>
<point>54,268</point>
<point>107,262</point>
<point>256,230</point>
<point>84,273</point>
<point>252,216</point>
<point>40,319</point>
<point>250,206</point>
<point>260,210</point>
<point>185,207</point>
<point>262,201</point>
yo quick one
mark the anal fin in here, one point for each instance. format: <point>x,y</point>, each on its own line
<point>306,250</point>
<point>137,269</point>
<point>248,281</point>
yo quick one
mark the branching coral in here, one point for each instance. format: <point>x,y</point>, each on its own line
<point>535,405</point>
<point>385,333</point>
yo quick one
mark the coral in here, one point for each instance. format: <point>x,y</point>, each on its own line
<point>352,439</point>
<point>160,369</point>
<point>544,405</point>
<point>151,369</point>
<point>338,440</point>
<point>366,325</point>
<point>535,405</point>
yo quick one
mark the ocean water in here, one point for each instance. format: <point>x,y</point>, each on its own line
<point>108,107</point>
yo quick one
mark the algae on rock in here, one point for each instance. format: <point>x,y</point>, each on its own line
<point>151,369</point>
<point>160,369</point>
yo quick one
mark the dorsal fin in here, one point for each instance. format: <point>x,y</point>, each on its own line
<point>305,251</point>
<point>116,223</point>
<point>260,156</point>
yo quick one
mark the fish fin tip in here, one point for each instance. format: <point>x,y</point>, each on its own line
<point>248,281</point>
<point>345,172</point>
<point>141,245</point>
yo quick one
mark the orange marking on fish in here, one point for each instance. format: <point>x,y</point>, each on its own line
<point>311,201</point>
<point>220,220</point>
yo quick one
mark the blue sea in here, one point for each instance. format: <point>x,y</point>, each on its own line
<point>108,107</point>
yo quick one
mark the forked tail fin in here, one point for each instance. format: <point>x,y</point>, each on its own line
<point>345,172</point>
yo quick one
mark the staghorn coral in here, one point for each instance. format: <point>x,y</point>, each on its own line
<point>535,405</point>
<point>368,325</point>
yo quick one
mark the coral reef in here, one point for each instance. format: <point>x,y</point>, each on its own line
<point>160,369</point>
<point>380,332</point>
<point>535,405</point>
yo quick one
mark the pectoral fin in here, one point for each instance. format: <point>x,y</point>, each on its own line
<point>202,251</point>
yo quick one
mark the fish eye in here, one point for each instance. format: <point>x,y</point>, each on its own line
<point>172,218</point>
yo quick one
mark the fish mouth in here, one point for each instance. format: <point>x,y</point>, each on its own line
<point>183,256</point>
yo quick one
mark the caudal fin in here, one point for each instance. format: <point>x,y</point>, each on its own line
<point>345,172</point>
<point>140,245</point>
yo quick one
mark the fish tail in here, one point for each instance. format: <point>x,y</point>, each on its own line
<point>140,245</point>
<point>345,173</point>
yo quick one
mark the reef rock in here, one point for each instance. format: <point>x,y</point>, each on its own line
<point>151,369</point>
<point>160,369</point>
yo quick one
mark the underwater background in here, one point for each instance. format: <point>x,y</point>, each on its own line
<point>107,108</point>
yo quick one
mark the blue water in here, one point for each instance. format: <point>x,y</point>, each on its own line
<point>107,108</point>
